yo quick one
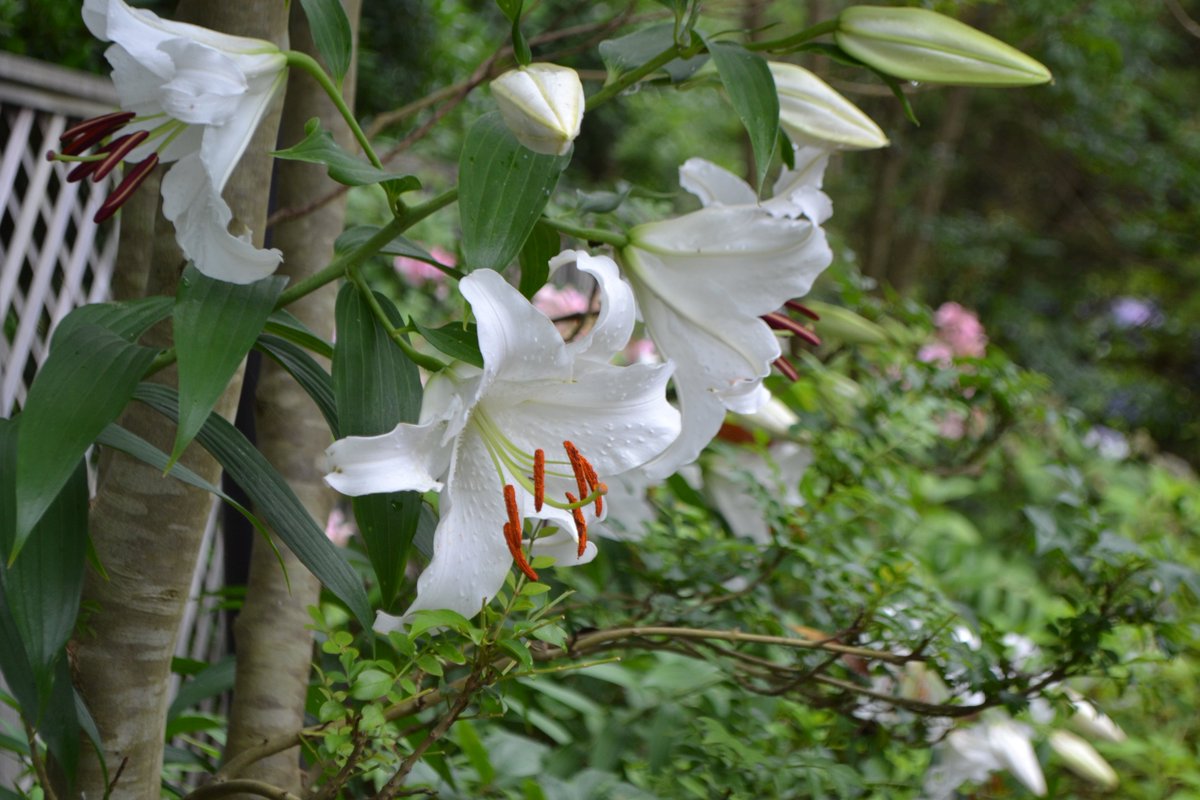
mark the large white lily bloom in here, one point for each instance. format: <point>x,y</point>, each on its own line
<point>200,95</point>
<point>704,280</point>
<point>480,429</point>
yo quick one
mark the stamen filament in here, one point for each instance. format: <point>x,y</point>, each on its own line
<point>800,308</point>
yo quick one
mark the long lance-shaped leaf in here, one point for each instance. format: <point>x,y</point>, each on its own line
<point>311,376</point>
<point>284,325</point>
<point>129,319</point>
<point>88,378</point>
<point>216,323</point>
<point>377,387</point>
<point>14,660</point>
<point>502,191</point>
<point>273,499</point>
<point>331,32</point>
<point>751,89</point>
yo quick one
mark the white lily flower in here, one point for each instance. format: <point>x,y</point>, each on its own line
<point>542,104</point>
<point>812,112</point>
<point>705,281</point>
<point>972,753</point>
<point>729,473</point>
<point>195,97</point>
<point>481,431</point>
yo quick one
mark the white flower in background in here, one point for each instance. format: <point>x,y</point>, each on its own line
<point>529,435</point>
<point>972,753</point>
<point>812,112</point>
<point>192,97</point>
<point>731,472</point>
<point>1092,721</point>
<point>542,104</point>
<point>709,284</point>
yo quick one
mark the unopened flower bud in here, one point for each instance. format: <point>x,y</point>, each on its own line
<point>542,104</point>
<point>813,113</point>
<point>920,45</point>
<point>1082,759</point>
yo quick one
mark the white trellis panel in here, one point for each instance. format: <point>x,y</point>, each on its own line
<point>52,256</point>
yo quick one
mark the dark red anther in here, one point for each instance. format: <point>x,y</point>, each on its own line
<point>117,150</point>
<point>781,323</point>
<point>106,123</point>
<point>83,143</point>
<point>785,366</point>
<point>800,308</point>
<point>82,170</point>
<point>134,178</point>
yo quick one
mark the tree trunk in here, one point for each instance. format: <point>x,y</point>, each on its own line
<point>146,528</point>
<point>274,648</point>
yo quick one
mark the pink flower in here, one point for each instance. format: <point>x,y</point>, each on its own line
<point>961,330</point>
<point>936,352</point>
<point>339,528</point>
<point>417,272</point>
<point>555,302</point>
<point>640,351</point>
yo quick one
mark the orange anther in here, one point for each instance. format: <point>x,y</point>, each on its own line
<point>577,465</point>
<point>512,537</point>
<point>580,523</point>
<point>539,479</point>
<point>593,483</point>
<point>510,503</point>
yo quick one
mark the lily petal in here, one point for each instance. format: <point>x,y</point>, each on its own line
<point>618,312</point>
<point>408,458</point>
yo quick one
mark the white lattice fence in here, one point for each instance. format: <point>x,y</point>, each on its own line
<point>52,256</point>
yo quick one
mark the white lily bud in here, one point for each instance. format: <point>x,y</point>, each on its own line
<point>1092,721</point>
<point>542,104</point>
<point>774,417</point>
<point>813,113</point>
<point>920,45</point>
<point>1082,759</point>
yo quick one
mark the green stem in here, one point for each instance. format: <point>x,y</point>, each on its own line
<point>796,39</point>
<point>633,76</point>
<point>617,240</point>
<point>395,334</point>
<point>342,264</point>
<point>309,65</point>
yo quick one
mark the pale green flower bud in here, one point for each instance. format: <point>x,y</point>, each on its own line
<point>1082,759</point>
<point>813,113</point>
<point>920,45</point>
<point>542,104</point>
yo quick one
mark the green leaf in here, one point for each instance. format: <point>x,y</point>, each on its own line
<point>274,500</point>
<point>318,147</point>
<point>377,387</point>
<point>455,340</point>
<point>751,90</point>
<point>437,618</point>
<point>503,188</point>
<point>129,320</point>
<point>542,245</point>
<point>371,683</point>
<point>286,326</point>
<point>216,323</point>
<point>131,444</point>
<point>311,376</point>
<point>210,682</point>
<point>14,660</point>
<point>473,749</point>
<point>632,51</point>
<point>331,33</point>
<point>88,378</point>
<point>43,586</point>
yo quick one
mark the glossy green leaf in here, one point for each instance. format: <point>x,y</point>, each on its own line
<point>331,33</point>
<point>273,500</point>
<point>131,444</point>
<point>455,340</point>
<point>284,325</point>
<point>542,245</point>
<point>14,660</point>
<point>632,51</point>
<point>503,189</point>
<point>216,323</point>
<point>377,387</point>
<point>215,679</point>
<point>88,378</point>
<point>318,147</point>
<point>751,89</point>
<point>311,376</point>
<point>129,320</point>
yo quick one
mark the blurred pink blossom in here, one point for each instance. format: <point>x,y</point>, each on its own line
<point>961,330</point>
<point>339,528</point>
<point>418,273</point>
<point>640,351</point>
<point>557,302</point>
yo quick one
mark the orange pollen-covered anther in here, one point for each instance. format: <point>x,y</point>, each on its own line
<point>510,505</point>
<point>539,479</point>
<point>512,537</point>
<point>577,466</point>
<point>580,523</point>
<point>593,481</point>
